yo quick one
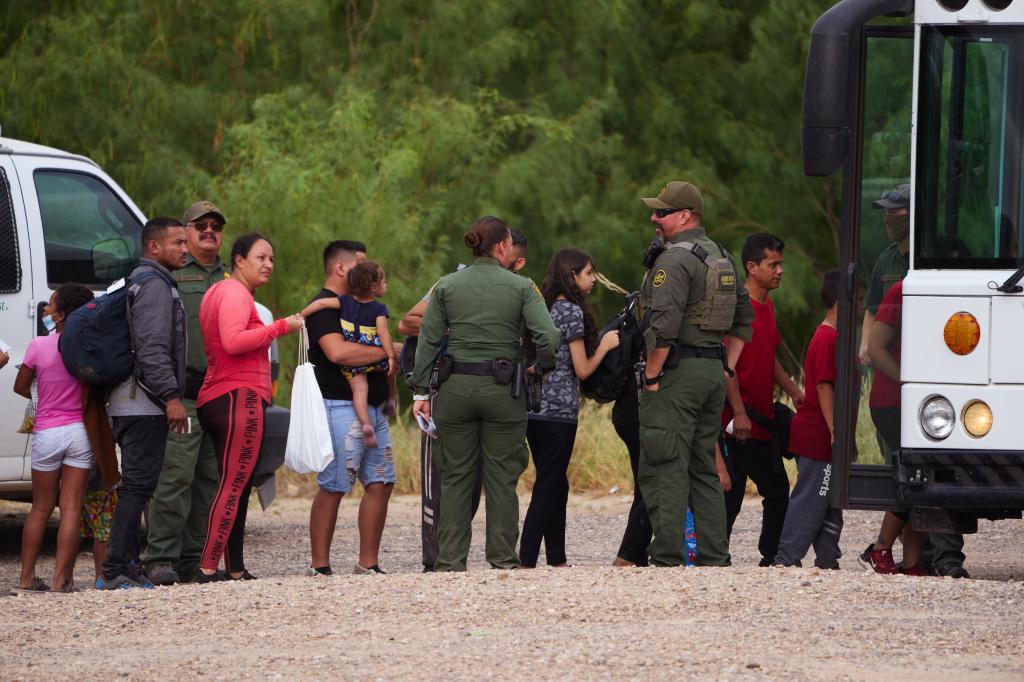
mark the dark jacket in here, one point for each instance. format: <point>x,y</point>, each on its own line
<point>157,320</point>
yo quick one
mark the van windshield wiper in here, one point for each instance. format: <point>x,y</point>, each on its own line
<point>1010,286</point>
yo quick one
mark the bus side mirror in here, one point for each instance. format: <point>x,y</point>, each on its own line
<point>831,77</point>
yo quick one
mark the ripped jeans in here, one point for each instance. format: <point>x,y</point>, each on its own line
<point>351,459</point>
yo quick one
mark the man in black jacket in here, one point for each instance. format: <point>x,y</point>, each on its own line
<point>148,405</point>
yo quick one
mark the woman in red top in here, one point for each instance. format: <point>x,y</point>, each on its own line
<point>235,395</point>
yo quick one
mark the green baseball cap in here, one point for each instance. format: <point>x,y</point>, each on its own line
<point>199,209</point>
<point>678,194</point>
<point>897,197</point>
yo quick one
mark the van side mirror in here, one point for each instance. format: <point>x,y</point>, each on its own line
<point>111,259</point>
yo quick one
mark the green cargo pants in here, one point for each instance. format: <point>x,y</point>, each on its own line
<point>180,507</point>
<point>476,418</point>
<point>679,425</point>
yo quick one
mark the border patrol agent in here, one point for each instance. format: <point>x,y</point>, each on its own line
<point>694,300</point>
<point>188,481</point>
<point>480,410</point>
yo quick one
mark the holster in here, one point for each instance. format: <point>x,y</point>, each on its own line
<point>440,372</point>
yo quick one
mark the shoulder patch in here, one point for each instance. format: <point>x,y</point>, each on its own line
<point>535,287</point>
<point>660,278</point>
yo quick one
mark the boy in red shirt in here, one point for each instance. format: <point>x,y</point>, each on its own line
<point>810,518</point>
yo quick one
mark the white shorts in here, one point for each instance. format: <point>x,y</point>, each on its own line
<point>59,445</point>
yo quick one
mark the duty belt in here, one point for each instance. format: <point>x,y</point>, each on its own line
<point>716,352</point>
<point>480,369</point>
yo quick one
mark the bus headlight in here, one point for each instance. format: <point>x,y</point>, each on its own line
<point>961,333</point>
<point>937,417</point>
<point>977,418</point>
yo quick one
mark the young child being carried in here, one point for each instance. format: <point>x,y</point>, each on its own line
<point>364,320</point>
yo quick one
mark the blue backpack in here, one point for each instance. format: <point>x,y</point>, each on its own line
<point>96,344</point>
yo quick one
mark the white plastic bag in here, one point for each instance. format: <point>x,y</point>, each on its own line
<point>309,448</point>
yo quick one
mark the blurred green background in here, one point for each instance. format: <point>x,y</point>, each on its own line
<point>399,122</point>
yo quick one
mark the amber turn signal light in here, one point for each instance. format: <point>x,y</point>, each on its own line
<point>977,418</point>
<point>962,333</point>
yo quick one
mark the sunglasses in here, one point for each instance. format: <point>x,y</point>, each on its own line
<point>214,225</point>
<point>662,212</point>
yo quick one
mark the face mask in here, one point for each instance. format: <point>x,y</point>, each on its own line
<point>49,324</point>
<point>898,226</point>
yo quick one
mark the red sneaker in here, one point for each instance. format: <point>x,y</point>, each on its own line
<point>878,560</point>
<point>915,571</point>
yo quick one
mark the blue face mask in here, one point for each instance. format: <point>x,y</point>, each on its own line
<point>49,324</point>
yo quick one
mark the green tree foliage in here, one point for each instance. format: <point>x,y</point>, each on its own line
<point>399,122</point>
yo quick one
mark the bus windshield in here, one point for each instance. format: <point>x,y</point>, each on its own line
<point>968,207</point>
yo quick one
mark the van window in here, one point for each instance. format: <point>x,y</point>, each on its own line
<point>91,237</point>
<point>10,260</point>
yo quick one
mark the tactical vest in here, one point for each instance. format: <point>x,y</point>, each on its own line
<point>716,310</point>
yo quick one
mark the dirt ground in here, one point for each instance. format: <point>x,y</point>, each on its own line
<point>587,622</point>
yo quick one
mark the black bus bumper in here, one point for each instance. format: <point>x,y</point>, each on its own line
<point>948,490</point>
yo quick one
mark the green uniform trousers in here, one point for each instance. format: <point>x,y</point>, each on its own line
<point>476,418</point>
<point>180,507</point>
<point>679,425</point>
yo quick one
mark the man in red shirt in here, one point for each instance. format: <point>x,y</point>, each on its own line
<point>810,518</point>
<point>752,390</point>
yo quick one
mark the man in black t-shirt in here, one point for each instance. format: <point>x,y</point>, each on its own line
<point>374,467</point>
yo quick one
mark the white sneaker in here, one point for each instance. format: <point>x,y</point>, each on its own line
<point>359,570</point>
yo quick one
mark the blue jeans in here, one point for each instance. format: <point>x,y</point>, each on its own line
<point>352,459</point>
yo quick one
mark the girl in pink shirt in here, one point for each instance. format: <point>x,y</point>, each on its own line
<point>61,455</point>
<point>235,395</point>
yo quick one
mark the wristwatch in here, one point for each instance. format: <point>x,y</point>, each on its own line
<point>650,381</point>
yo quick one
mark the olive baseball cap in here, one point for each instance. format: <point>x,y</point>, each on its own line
<point>678,194</point>
<point>199,209</point>
<point>897,197</point>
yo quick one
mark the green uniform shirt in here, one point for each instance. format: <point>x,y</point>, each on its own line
<point>193,281</point>
<point>676,282</point>
<point>891,267</point>
<point>484,309</point>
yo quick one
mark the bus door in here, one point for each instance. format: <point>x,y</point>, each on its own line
<point>878,164</point>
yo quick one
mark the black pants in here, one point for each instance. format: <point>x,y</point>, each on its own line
<point>143,441</point>
<point>626,420</point>
<point>430,496</point>
<point>551,445</point>
<point>754,460</point>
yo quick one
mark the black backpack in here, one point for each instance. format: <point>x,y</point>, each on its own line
<point>612,375</point>
<point>777,425</point>
<point>96,344</point>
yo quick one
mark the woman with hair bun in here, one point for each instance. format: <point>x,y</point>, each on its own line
<point>478,411</point>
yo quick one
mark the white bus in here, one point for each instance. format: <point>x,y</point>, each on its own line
<point>937,103</point>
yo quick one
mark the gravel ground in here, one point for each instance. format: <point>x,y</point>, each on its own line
<point>589,622</point>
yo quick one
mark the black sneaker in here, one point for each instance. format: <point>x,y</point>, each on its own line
<point>765,562</point>
<point>121,582</point>
<point>246,575</point>
<point>162,574</point>
<point>137,574</point>
<point>202,578</point>
<point>952,571</point>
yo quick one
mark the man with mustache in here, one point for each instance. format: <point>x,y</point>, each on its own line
<point>750,453</point>
<point>188,479</point>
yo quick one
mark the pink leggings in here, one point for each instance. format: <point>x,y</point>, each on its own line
<point>235,423</point>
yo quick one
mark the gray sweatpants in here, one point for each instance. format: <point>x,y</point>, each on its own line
<point>810,519</point>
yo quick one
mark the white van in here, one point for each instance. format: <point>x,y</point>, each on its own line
<point>62,219</point>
